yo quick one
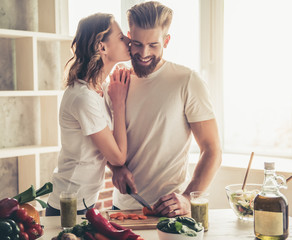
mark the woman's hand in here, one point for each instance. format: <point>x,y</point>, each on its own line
<point>118,87</point>
<point>114,145</point>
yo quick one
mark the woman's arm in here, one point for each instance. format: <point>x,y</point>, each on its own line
<point>114,145</point>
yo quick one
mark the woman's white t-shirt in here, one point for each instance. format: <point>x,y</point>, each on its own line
<point>81,166</point>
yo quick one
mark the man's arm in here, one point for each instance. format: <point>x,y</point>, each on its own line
<point>207,137</point>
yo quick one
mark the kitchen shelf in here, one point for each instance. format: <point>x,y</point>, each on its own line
<point>14,34</point>
<point>31,86</point>
<point>27,150</point>
<point>38,64</point>
<point>30,93</point>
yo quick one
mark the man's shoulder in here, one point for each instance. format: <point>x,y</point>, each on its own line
<point>181,71</point>
<point>178,66</point>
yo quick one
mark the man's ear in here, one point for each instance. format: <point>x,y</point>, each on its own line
<point>102,48</point>
<point>129,35</point>
<point>166,40</point>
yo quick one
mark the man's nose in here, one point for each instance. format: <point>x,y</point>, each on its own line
<point>145,52</point>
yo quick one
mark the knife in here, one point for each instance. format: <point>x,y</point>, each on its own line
<point>138,198</point>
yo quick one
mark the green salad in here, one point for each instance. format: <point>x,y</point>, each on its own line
<point>179,225</point>
<point>243,202</point>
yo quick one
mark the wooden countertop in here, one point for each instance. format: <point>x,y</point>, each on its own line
<point>223,225</point>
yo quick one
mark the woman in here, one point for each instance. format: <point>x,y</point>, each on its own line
<point>87,140</point>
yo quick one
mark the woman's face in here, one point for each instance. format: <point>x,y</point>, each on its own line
<point>117,45</point>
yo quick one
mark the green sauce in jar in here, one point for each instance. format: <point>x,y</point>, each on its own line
<point>68,212</point>
<point>199,209</point>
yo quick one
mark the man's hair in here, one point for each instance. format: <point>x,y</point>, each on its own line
<point>150,15</point>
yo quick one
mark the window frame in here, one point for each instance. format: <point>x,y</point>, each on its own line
<point>211,54</point>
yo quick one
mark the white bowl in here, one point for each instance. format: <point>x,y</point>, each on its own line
<point>176,236</point>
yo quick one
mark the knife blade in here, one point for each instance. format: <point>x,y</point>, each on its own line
<point>138,198</point>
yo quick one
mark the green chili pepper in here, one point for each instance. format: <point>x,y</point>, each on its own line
<point>9,230</point>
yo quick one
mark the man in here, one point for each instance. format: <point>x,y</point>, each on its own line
<point>166,103</point>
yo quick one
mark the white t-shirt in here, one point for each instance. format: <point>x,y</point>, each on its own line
<point>159,109</point>
<point>80,166</point>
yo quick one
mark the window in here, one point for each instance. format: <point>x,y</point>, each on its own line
<point>257,80</point>
<point>81,9</point>
<point>242,48</point>
<point>183,47</point>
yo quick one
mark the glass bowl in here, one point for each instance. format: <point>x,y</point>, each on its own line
<point>242,201</point>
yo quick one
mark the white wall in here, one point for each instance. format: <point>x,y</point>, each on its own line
<point>232,175</point>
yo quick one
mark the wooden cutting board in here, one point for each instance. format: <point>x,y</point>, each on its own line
<point>140,224</point>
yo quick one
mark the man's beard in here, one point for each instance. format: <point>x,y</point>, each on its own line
<point>144,71</point>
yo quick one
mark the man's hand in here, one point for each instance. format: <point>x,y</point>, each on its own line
<point>123,177</point>
<point>172,205</point>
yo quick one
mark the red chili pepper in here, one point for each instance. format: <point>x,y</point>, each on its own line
<point>117,226</point>
<point>7,207</point>
<point>88,236</point>
<point>132,236</point>
<point>103,226</point>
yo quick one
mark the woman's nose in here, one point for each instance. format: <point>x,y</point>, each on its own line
<point>127,40</point>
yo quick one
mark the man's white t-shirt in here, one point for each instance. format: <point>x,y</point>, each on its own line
<point>159,109</point>
<point>80,166</point>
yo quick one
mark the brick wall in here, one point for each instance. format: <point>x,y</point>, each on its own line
<point>105,199</point>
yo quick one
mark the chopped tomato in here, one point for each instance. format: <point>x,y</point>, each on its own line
<point>116,215</point>
<point>113,215</point>
<point>120,217</point>
<point>147,212</point>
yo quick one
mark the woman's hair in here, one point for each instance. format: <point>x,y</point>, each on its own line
<point>150,15</point>
<point>86,63</point>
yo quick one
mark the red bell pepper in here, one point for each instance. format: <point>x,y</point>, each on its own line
<point>7,207</point>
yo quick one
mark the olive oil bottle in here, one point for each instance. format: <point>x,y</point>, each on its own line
<point>271,207</point>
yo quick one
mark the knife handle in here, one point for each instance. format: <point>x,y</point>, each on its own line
<point>128,189</point>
